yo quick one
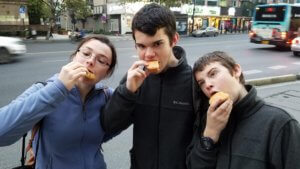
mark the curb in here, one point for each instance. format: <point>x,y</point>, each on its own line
<point>273,80</point>
<point>46,41</point>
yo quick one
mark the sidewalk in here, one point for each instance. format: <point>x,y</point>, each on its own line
<point>65,38</point>
<point>283,95</point>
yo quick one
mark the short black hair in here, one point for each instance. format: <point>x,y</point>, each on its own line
<point>153,17</point>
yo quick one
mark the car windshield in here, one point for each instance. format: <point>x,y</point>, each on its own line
<point>202,28</point>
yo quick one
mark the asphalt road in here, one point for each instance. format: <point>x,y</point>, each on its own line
<point>45,59</point>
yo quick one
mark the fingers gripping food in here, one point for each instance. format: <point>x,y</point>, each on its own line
<point>90,75</point>
<point>153,66</point>
<point>219,95</point>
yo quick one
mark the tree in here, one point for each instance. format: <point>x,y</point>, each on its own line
<point>36,10</point>
<point>78,10</point>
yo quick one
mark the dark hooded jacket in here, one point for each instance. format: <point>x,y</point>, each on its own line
<point>257,136</point>
<point>162,114</point>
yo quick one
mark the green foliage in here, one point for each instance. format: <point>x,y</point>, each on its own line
<point>79,7</point>
<point>36,10</point>
<point>103,32</point>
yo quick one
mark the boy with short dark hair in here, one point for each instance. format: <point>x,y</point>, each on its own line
<point>242,131</point>
<point>159,104</point>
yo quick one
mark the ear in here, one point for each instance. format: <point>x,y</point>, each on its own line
<point>237,71</point>
<point>175,39</point>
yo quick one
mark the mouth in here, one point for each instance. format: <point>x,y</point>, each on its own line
<point>212,93</point>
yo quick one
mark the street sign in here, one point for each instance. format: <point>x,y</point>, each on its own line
<point>22,9</point>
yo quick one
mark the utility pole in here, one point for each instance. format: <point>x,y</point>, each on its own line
<point>193,16</point>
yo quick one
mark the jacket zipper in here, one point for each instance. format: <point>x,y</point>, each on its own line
<point>158,127</point>
<point>88,97</point>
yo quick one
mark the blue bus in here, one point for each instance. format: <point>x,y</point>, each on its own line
<point>275,24</point>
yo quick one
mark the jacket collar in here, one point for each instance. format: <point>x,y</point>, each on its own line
<point>247,105</point>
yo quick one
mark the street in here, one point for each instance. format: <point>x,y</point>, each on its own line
<point>45,59</point>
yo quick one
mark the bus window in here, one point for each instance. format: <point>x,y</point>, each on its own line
<point>271,13</point>
<point>295,19</point>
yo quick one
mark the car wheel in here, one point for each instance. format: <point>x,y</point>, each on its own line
<point>296,53</point>
<point>4,55</point>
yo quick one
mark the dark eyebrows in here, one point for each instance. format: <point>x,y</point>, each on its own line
<point>212,69</point>
<point>153,43</point>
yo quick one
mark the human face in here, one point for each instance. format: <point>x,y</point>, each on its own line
<point>155,47</point>
<point>96,57</point>
<point>215,77</point>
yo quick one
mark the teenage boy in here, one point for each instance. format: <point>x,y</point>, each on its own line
<point>160,105</point>
<point>241,132</point>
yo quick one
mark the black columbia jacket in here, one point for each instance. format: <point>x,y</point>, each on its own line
<point>257,136</point>
<point>162,114</point>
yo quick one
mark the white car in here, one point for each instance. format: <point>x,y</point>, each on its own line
<point>208,31</point>
<point>296,46</point>
<point>10,47</point>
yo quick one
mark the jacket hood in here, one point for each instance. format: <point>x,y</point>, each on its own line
<point>180,54</point>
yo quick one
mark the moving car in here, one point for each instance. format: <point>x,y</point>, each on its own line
<point>208,31</point>
<point>296,46</point>
<point>10,47</point>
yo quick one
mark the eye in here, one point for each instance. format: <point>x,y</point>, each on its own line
<point>157,44</point>
<point>213,73</point>
<point>140,46</point>
<point>102,60</point>
<point>200,82</point>
<point>86,53</point>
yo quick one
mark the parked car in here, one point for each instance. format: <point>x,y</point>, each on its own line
<point>296,46</point>
<point>208,31</point>
<point>10,47</point>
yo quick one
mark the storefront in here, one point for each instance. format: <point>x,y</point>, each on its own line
<point>204,16</point>
<point>120,16</point>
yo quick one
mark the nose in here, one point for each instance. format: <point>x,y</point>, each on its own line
<point>91,60</point>
<point>149,53</point>
<point>208,88</point>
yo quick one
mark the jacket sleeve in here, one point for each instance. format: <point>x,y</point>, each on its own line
<point>285,151</point>
<point>199,158</point>
<point>117,114</point>
<point>108,136</point>
<point>26,110</point>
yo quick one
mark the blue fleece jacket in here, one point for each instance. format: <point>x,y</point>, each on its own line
<point>71,134</point>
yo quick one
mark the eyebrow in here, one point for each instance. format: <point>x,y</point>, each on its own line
<point>200,80</point>
<point>158,41</point>
<point>212,69</point>
<point>97,54</point>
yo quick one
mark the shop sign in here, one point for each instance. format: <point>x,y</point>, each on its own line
<point>201,10</point>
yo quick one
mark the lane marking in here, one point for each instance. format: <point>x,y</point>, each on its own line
<point>277,67</point>
<point>250,72</point>
<point>296,63</point>
<point>38,53</point>
<point>49,61</point>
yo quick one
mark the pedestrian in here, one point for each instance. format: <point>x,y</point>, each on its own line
<point>242,131</point>
<point>69,106</point>
<point>159,104</point>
